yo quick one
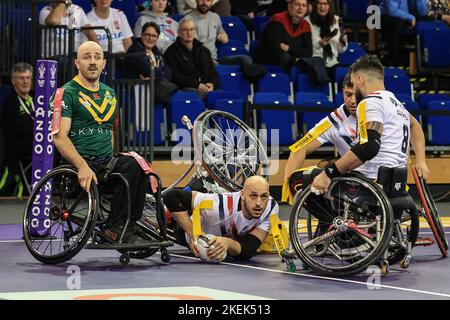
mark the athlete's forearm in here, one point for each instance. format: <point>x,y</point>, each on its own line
<point>348,162</point>
<point>68,151</point>
<point>295,161</point>
<point>234,247</point>
<point>183,220</point>
<point>418,140</point>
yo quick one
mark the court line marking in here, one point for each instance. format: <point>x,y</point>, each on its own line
<point>323,278</point>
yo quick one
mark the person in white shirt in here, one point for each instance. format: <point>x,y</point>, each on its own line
<point>116,21</point>
<point>386,138</point>
<point>167,25</point>
<point>326,34</point>
<point>240,221</point>
<point>63,14</point>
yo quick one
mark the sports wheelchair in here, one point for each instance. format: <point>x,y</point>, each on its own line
<point>226,152</point>
<point>353,225</point>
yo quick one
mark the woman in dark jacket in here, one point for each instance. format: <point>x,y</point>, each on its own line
<point>144,54</point>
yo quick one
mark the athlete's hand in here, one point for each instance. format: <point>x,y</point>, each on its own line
<point>422,170</point>
<point>320,184</point>
<point>218,247</point>
<point>86,176</point>
<point>193,245</point>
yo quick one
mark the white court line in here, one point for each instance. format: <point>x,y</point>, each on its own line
<point>323,278</point>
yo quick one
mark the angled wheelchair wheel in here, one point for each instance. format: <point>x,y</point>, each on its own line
<point>344,231</point>
<point>431,213</point>
<point>71,215</point>
<point>228,149</point>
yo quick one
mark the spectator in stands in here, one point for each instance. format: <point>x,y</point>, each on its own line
<point>397,15</point>
<point>63,14</point>
<point>287,37</point>
<point>167,25</point>
<point>439,10</point>
<point>327,38</point>
<point>246,10</point>
<point>17,119</point>
<point>190,61</point>
<point>116,21</point>
<point>221,7</point>
<point>139,66</point>
<point>208,26</point>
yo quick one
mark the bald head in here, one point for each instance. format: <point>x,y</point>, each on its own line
<point>89,47</point>
<point>256,182</point>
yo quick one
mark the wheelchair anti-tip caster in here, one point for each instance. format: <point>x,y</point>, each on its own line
<point>165,256</point>
<point>384,268</point>
<point>404,264</point>
<point>124,259</point>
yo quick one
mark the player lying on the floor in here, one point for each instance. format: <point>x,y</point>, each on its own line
<point>238,222</point>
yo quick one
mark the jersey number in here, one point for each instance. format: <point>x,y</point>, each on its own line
<point>405,138</point>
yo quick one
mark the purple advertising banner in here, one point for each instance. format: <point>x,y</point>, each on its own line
<point>46,84</point>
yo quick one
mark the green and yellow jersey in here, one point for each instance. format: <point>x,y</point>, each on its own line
<point>93,113</point>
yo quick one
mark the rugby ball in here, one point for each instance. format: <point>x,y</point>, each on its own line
<point>203,246</point>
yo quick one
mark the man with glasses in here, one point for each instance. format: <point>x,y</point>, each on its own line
<point>190,61</point>
<point>239,221</point>
<point>17,119</point>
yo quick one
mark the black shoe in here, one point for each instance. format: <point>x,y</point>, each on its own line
<point>113,233</point>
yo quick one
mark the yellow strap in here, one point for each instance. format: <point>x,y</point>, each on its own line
<point>362,123</point>
<point>311,136</point>
<point>286,194</point>
<point>276,225</point>
<point>196,221</point>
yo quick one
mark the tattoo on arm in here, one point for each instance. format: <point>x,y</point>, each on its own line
<point>376,126</point>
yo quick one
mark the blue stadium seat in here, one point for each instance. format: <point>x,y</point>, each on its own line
<point>184,95</point>
<point>281,121</point>
<point>4,93</point>
<point>426,98</point>
<point>436,46</point>
<point>338,99</point>
<point>257,22</point>
<point>236,31</point>
<point>233,106</point>
<point>339,74</point>
<point>129,8</point>
<point>179,108</point>
<point>213,96</point>
<point>391,71</point>
<point>228,51</point>
<point>228,68</point>
<point>275,82</point>
<point>309,100</point>
<point>273,68</point>
<point>398,84</point>
<point>438,128</point>
<point>234,81</point>
<point>407,101</point>
<point>253,48</point>
<point>178,17</point>
<point>353,52</point>
<point>306,84</point>
<point>354,10</point>
<point>230,19</point>
<point>425,26</point>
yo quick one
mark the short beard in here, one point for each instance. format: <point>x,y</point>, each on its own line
<point>203,9</point>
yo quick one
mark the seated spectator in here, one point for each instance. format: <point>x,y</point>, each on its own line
<point>439,10</point>
<point>60,14</point>
<point>221,7</point>
<point>209,31</point>
<point>139,66</point>
<point>327,38</point>
<point>190,61</point>
<point>246,10</point>
<point>397,15</point>
<point>117,23</point>
<point>18,119</point>
<point>286,38</point>
<point>167,25</point>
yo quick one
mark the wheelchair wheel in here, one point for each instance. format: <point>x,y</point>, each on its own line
<point>344,231</point>
<point>431,213</point>
<point>406,232</point>
<point>72,214</point>
<point>230,151</point>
